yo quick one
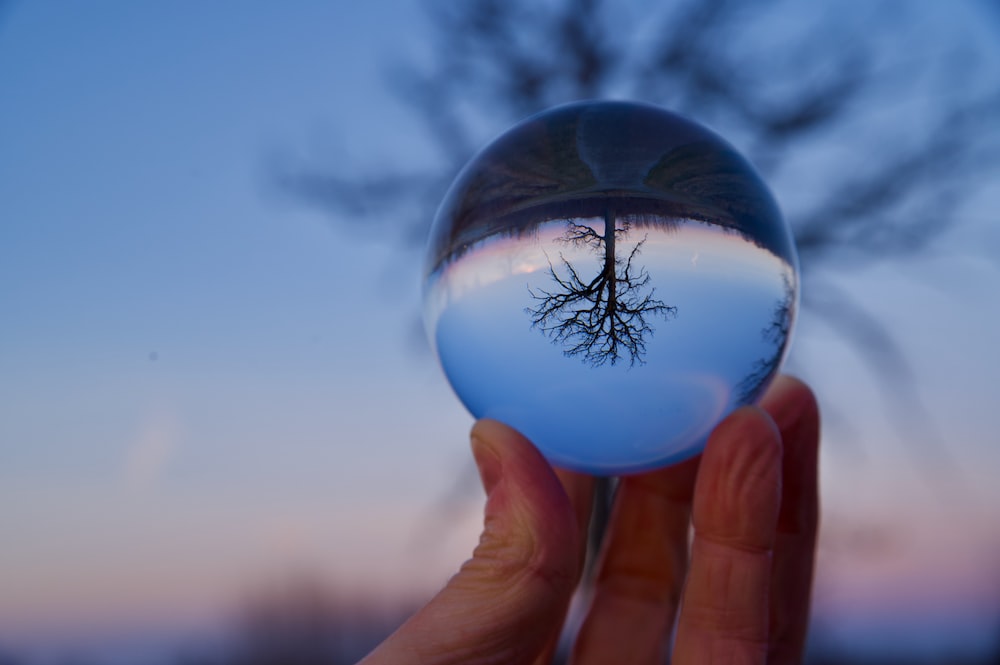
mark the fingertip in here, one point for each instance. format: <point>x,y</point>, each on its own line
<point>522,485</point>
<point>505,452</point>
<point>747,434</point>
<point>751,416</point>
<point>784,382</point>
<point>493,433</point>
<point>790,400</point>
<point>487,456</point>
<point>738,492</point>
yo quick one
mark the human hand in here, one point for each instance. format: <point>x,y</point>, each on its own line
<point>742,588</point>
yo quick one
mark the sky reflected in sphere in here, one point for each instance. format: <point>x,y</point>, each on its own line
<point>611,280</point>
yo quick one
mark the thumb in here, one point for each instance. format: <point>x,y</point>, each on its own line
<point>509,599</point>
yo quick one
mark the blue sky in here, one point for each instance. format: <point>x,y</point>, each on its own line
<point>191,365</point>
<point>204,387</point>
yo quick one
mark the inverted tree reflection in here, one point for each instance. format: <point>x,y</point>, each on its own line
<point>605,318</point>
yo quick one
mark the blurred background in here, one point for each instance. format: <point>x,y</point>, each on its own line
<point>223,439</point>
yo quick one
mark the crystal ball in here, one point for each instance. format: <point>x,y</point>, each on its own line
<point>611,280</point>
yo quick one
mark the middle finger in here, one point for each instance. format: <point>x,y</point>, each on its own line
<point>641,570</point>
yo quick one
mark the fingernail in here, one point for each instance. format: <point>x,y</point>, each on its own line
<point>488,461</point>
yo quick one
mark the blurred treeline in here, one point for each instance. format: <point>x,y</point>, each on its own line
<point>873,122</point>
<point>304,623</point>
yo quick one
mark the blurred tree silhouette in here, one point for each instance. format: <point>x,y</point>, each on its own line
<point>297,625</point>
<point>872,134</point>
<point>872,125</point>
<point>304,622</point>
<point>786,89</point>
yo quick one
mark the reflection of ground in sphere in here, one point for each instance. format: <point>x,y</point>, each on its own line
<point>611,280</point>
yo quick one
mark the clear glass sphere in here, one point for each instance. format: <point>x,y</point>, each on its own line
<point>611,280</point>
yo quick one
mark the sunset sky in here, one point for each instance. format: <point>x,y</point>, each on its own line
<point>206,387</point>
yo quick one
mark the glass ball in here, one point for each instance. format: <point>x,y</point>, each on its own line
<point>611,280</point>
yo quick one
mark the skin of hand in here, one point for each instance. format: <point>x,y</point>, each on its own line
<point>737,592</point>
